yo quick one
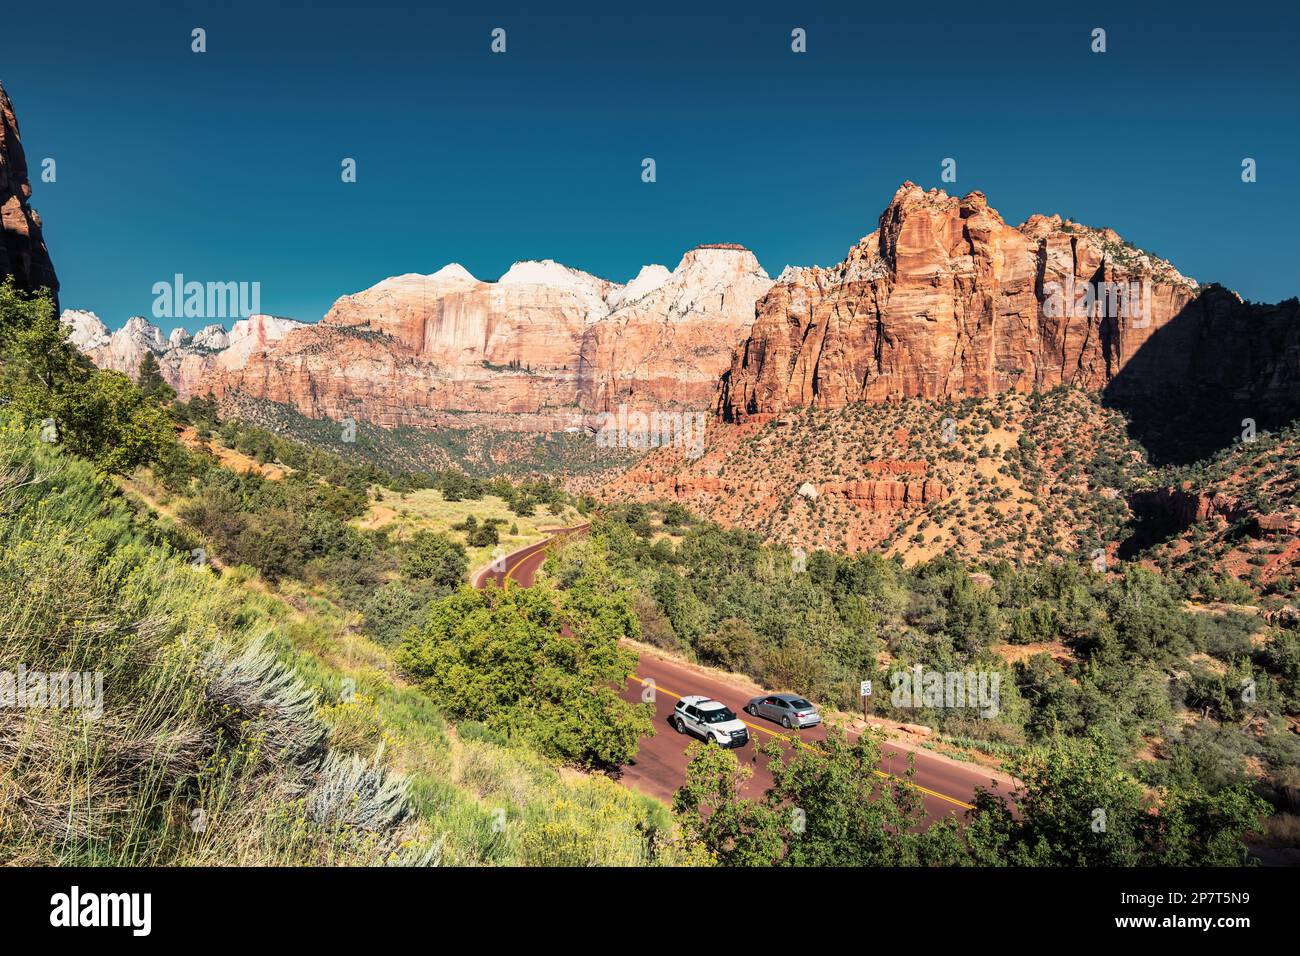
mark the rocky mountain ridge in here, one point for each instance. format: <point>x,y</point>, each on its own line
<point>946,300</point>
<point>943,300</point>
<point>539,349</point>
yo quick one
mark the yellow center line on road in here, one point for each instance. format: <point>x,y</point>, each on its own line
<point>505,583</point>
<point>795,740</point>
<point>505,579</point>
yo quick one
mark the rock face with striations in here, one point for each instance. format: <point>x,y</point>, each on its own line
<point>945,300</point>
<point>539,349</point>
<point>185,361</point>
<point>671,335</point>
<point>22,249</point>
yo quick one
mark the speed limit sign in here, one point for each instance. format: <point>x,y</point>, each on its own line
<point>864,689</point>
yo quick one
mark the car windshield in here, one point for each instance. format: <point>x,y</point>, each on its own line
<point>800,704</point>
<point>722,715</point>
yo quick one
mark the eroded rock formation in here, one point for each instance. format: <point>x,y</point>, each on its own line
<point>539,349</point>
<point>945,299</point>
<point>22,248</point>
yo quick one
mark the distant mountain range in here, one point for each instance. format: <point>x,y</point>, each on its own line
<point>942,300</point>
<point>533,351</point>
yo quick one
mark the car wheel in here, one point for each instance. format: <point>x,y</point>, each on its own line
<point>749,709</point>
<point>678,725</point>
<point>785,722</point>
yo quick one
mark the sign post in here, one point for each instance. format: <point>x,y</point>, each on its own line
<point>864,691</point>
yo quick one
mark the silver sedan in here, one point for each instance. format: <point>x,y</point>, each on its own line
<point>788,710</point>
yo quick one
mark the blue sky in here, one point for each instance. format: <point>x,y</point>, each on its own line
<point>225,166</point>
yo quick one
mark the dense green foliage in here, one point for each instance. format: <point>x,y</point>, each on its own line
<point>1119,656</point>
<point>45,381</point>
<point>828,807</point>
<point>825,808</point>
<point>1078,808</point>
<point>532,664</point>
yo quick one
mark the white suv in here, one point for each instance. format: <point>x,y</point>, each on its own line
<point>710,719</point>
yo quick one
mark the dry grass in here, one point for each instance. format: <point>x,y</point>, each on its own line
<point>427,510</point>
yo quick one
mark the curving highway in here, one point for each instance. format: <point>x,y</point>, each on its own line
<point>948,786</point>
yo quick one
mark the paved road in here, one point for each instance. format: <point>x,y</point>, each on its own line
<point>522,566</point>
<point>948,786</point>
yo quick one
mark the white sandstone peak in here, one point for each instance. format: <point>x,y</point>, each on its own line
<point>453,271</point>
<point>86,330</point>
<point>721,260</point>
<point>549,272</point>
<point>253,334</point>
<point>708,280</point>
<point>790,273</point>
<point>211,337</point>
<point>647,280</point>
<point>264,328</point>
<point>138,328</point>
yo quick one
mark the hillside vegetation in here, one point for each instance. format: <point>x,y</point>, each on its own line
<point>1175,699</point>
<point>245,717</point>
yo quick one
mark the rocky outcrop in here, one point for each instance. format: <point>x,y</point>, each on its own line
<point>185,361</point>
<point>945,300</point>
<point>539,349</point>
<point>667,345</point>
<point>887,495</point>
<point>22,249</point>
<point>1185,506</point>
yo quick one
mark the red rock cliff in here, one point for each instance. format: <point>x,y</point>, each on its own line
<point>945,299</point>
<point>22,249</point>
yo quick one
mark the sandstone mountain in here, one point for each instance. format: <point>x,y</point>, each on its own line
<point>664,344</point>
<point>185,361</point>
<point>945,299</point>
<point>536,350</point>
<point>22,249</point>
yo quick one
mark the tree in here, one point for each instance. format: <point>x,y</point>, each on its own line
<point>734,831</point>
<point>99,415</point>
<point>1079,808</point>
<point>434,559</point>
<point>530,665</point>
<point>151,381</point>
<point>732,645</point>
<point>827,807</point>
<point>391,611</point>
<point>110,421</point>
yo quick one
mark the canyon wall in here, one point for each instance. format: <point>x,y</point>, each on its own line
<point>22,248</point>
<point>946,300</point>
<point>540,349</point>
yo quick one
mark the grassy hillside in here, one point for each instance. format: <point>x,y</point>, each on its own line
<point>402,514</point>
<point>242,726</point>
<point>481,452</point>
